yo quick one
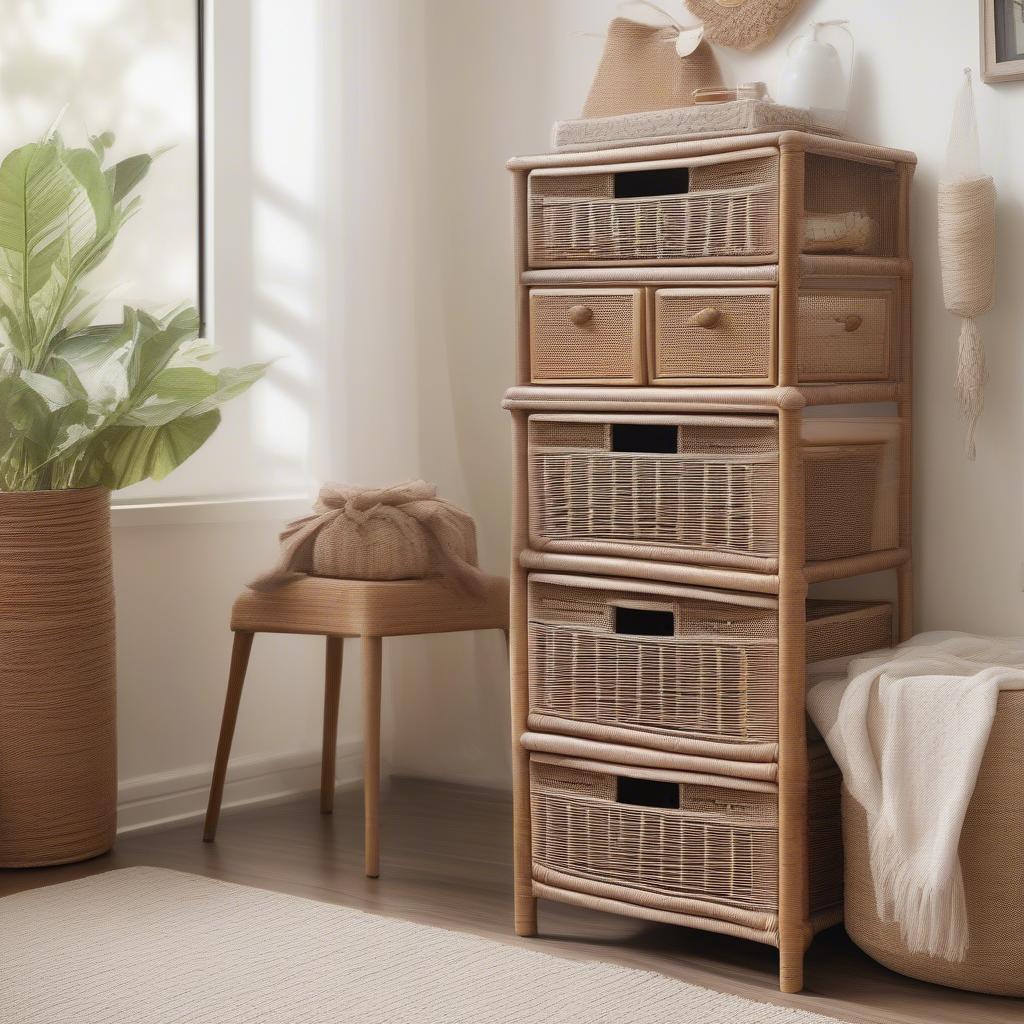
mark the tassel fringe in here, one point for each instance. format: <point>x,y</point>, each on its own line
<point>970,380</point>
<point>932,918</point>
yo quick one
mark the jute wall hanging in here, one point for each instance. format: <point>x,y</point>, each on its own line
<point>742,24</point>
<point>967,251</point>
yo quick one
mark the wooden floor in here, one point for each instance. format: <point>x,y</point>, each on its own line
<point>446,860</point>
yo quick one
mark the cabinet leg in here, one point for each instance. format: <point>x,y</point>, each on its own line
<point>791,967</point>
<point>236,679</point>
<point>526,915</point>
<point>372,659</point>
<point>332,699</point>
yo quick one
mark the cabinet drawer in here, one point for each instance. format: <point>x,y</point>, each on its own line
<point>713,336</point>
<point>846,334</point>
<point>705,489</point>
<point>709,209</point>
<point>677,841</point>
<point>685,670</point>
<point>586,334</point>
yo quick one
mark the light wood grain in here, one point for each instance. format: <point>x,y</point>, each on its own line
<point>372,658</point>
<point>240,649</point>
<point>329,607</point>
<point>332,700</point>
<point>336,609</point>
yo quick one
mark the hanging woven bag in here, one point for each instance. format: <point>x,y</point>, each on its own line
<point>394,533</point>
<point>967,251</point>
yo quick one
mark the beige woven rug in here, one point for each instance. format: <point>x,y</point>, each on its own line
<point>149,946</point>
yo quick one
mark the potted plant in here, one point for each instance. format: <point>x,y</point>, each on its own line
<point>85,409</point>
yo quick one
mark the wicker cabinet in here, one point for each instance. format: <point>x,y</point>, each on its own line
<point>688,313</point>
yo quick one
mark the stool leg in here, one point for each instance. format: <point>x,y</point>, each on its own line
<point>332,698</point>
<point>236,679</point>
<point>372,656</point>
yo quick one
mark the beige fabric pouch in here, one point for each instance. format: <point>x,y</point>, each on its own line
<point>641,69</point>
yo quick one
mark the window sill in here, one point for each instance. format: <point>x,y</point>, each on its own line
<point>209,511</point>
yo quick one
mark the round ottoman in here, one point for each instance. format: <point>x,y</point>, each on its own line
<point>992,858</point>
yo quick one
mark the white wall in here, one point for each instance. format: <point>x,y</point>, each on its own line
<point>402,319</point>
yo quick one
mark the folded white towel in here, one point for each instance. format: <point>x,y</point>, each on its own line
<point>909,727</point>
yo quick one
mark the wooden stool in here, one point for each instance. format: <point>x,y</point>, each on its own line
<point>347,608</point>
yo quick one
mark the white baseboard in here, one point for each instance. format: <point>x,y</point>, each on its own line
<point>181,795</point>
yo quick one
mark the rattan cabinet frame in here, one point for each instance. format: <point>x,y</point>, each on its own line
<point>801,158</point>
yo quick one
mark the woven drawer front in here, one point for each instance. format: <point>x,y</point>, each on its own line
<point>701,488</point>
<point>713,486</point>
<point>845,335</point>
<point>672,667</point>
<point>666,841</point>
<point>850,207</point>
<point>675,211</point>
<point>596,661</point>
<point>704,335</point>
<point>586,335</point>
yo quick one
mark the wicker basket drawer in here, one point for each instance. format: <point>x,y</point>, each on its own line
<point>675,841</point>
<point>593,335</point>
<point>713,336</point>
<point>704,489</point>
<point>680,669</point>
<point>846,334</point>
<point>721,209</point>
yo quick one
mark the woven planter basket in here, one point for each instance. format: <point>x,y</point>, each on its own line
<point>58,771</point>
<point>992,859</point>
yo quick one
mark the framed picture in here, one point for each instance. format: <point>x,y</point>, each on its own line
<point>1002,41</point>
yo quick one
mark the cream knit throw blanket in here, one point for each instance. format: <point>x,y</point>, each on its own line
<point>908,727</point>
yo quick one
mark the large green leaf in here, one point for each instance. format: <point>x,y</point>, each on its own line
<point>126,175</point>
<point>54,208</point>
<point>84,403</point>
<point>53,392</point>
<point>156,342</point>
<point>99,357</point>
<point>190,391</point>
<point>131,454</point>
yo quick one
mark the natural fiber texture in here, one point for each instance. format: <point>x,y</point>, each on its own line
<point>725,209</point>
<point>733,117</point>
<point>909,729</point>
<point>640,70</point>
<point>697,489</point>
<point>967,239</point>
<point>741,24</point>
<point>992,860</point>
<point>58,754</point>
<point>680,842</point>
<point>158,947</point>
<point>675,669</point>
<point>394,533</point>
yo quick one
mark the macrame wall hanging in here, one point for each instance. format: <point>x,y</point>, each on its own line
<point>967,251</point>
<point>741,24</point>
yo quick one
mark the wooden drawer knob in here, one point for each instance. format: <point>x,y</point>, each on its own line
<point>850,322</point>
<point>706,318</point>
<point>581,315</point>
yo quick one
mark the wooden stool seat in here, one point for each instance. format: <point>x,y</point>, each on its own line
<point>337,609</point>
<point>368,608</point>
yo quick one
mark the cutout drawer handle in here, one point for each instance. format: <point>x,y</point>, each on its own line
<point>706,318</point>
<point>581,315</point>
<point>850,322</point>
